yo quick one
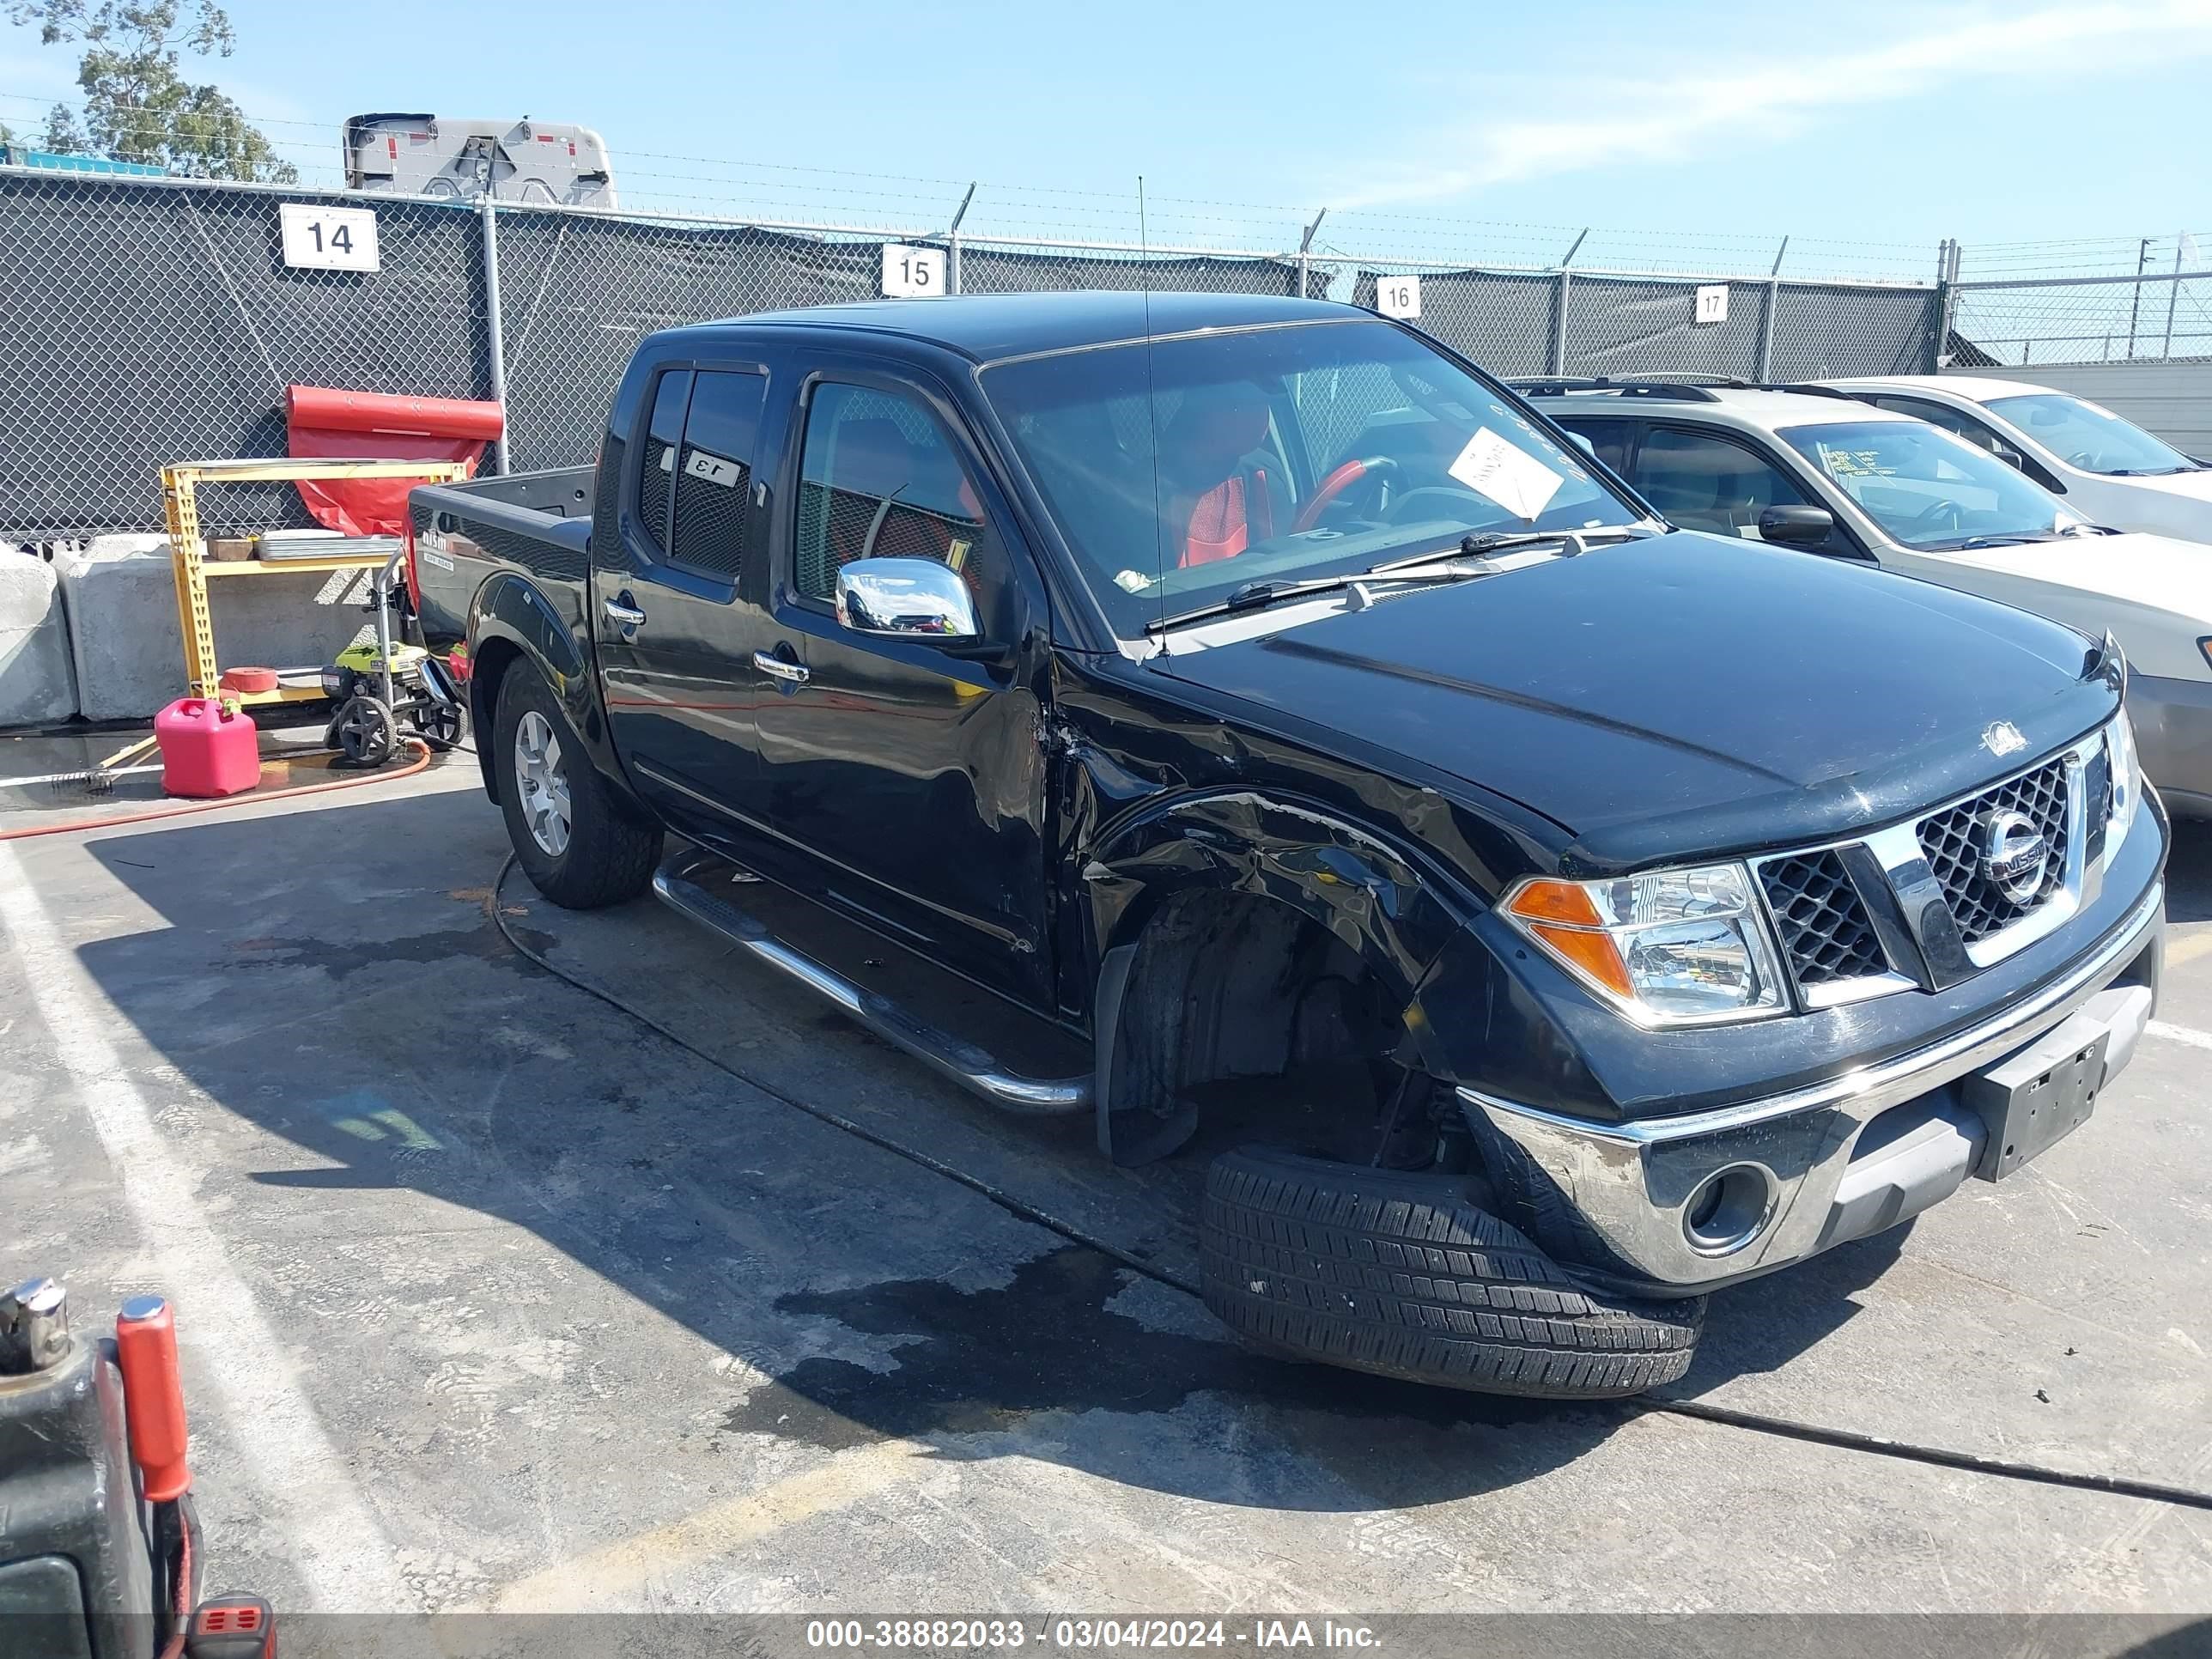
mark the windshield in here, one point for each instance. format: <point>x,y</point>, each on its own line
<point>1276,454</point>
<point>1926,488</point>
<point>2093,439</point>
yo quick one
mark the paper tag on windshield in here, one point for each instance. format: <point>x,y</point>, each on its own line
<point>1512,477</point>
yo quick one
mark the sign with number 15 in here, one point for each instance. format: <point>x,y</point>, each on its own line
<point>912,273</point>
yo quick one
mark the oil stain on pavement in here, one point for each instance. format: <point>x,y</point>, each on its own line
<point>1050,1341</point>
<point>340,958</point>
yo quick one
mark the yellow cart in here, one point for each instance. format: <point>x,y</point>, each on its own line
<point>202,672</point>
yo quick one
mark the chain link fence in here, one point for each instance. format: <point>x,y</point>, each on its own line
<point>149,321</point>
<point>158,323</point>
<point>2156,317</point>
<point>578,290</point>
<point>1522,323</point>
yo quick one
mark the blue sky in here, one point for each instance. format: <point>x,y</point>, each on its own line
<point>1866,133</point>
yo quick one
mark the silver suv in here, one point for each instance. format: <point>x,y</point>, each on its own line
<point>1811,468</point>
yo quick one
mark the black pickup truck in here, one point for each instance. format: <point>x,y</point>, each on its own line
<point>1535,916</point>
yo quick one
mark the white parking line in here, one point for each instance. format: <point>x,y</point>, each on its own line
<point>2159,1028</point>
<point>344,1558</point>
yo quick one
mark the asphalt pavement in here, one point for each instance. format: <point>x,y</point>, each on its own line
<point>493,1299</point>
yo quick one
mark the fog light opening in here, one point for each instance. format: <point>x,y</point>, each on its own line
<point>1730,1208</point>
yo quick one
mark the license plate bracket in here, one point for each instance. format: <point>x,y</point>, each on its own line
<point>2039,1096</point>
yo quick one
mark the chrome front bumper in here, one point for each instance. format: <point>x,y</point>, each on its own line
<point>1823,1180</point>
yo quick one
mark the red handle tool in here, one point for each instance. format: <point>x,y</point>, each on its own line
<point>154,1395</point>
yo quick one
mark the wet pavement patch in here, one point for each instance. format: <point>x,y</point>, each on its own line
<point>982,1360</point>
<point>341,959</point>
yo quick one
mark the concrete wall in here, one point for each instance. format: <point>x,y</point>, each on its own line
<point>129,656</point>
<point>38,680</point>
<point>2174,400</point>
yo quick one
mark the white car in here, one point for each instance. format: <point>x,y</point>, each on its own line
<point>2109,469</point>
<point>1829,476</point>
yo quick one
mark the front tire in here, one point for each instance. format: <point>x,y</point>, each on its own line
<point>1399,1275</point>
<point>579,843</point>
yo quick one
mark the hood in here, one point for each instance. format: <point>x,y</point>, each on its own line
<point>2152,592</point>
<point>2189,486</point>
<point>2171,504</point>
<point>2161,572</point>
<point>1683,695</point>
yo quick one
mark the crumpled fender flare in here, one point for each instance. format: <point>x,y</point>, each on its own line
<point>1380,899</point>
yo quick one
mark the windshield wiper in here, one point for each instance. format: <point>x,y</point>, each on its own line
<point>2000,541</point>
<point>1256,595</point>
<point>1420,567</point>
<point>1477,543</point>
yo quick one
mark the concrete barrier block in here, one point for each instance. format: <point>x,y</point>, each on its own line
<point>38,681</point>
<point>121,593</point>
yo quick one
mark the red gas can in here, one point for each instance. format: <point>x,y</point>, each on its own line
<point>206,749</point>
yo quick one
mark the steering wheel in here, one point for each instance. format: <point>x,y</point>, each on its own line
<point>1398,515</point>
<point>2085,458</point>
<point>1346,474</point>
<point>1941,516</point>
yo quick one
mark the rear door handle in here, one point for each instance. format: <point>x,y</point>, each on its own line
<point>780,668</point>
<point>623,615</point>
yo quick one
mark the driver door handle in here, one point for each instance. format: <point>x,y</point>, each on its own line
<point>621,614</point>
<point>779,668</point>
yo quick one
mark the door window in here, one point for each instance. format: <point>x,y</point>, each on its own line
<point>1702,481</point>
<point>1979,433</point>
<point>714,485</point>
<point>659,470</point>
<point>1608,440</point>
<point>880,477</point>
<point>1957,425</point>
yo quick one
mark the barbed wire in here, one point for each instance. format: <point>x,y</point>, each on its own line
<point>1002,210</point>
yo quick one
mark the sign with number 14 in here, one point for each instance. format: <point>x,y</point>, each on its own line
<point>328,238</point>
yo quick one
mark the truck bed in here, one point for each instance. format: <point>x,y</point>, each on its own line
<point>537,523</point>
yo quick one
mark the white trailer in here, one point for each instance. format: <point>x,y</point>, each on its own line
<point>540,161</point>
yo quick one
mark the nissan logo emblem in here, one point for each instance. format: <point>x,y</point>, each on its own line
<point>2014,854</point>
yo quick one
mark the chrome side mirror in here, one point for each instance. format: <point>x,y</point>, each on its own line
<point>907,599</point>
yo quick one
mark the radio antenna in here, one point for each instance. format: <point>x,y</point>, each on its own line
<point>1151,406</point>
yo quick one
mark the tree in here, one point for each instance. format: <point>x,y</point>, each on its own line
<point>64,136</point>
<point>139,105</point>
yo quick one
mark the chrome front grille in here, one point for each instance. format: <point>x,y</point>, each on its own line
<point>1953,839</point>
<point>1913,903</point>
<point>1825,931</point>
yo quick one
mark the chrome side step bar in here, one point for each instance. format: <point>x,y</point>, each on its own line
<point>963,1062</point>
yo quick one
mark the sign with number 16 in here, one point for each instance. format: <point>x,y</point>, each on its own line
<point>1398,296</point>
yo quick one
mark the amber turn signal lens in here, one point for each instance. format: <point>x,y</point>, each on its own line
<point>2205,646</point>
<point>1595,954</point>
<point>1561,916</point>
<point>1562,901</point>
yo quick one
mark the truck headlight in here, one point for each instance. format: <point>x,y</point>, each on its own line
<point>2127,778</point>
<point>1673,947</point>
